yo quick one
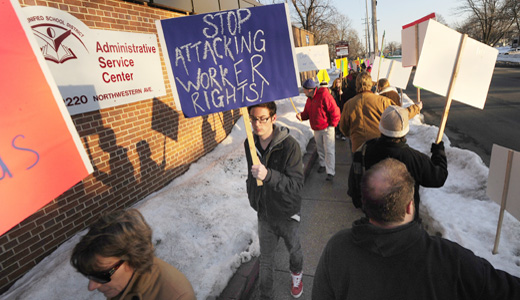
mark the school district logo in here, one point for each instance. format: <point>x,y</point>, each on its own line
<point>56,42</point>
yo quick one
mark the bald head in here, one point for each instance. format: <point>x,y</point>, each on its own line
<point>387,189</point>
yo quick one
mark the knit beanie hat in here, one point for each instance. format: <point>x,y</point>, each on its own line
<point>309,84</point>
<point>394,122</point>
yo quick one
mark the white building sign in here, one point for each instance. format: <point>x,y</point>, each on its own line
<point>96,69</point>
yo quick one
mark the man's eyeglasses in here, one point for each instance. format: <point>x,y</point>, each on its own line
<point>260,120</point>
<point>105,276</point>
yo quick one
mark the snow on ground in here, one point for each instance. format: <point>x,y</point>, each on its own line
<point>204,226</point>
<point>502,56</point>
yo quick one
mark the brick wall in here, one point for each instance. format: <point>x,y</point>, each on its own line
<point>135,148</point>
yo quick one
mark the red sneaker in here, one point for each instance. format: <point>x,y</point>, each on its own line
<point>297,285</point>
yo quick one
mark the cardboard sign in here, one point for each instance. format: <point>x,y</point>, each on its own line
<point>409,40</point>
<point>392,70</point>
<point>96,69</point>
<point>382,68</point>
<point>343,65</point>
<point>312,58</point>
<point>229,59</point>
<point>497,177</point>
<point>437,62</point>
<point>41,154</point>
<point>323,76</point>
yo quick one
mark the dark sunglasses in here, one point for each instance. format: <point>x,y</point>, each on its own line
<point>104,276</point>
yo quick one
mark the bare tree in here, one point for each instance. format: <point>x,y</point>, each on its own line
<point>439,18</point>
<point>356,48</point>
<point>326,23</point>
<point>391,48</point>
<point>310,15</point>
<point>339,28</point>
<point>515,12</point>
<point>470,27</point>
<point>313,15</point>
<point>494,18</point>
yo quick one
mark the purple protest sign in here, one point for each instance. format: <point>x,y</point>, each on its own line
<point>229,59</point>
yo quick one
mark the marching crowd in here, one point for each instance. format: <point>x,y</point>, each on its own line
<point>385,255</point>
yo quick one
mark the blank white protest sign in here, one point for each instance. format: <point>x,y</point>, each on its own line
<point>497,176</point>
<point>437,63</point>
<point>312,58</point>
<point>392,70</point>
<point>381,67</point>
<point>408,41</point>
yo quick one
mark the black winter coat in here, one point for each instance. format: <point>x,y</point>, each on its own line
<point>426,171</point>
<point>368,262</point>
<point>279,197</point>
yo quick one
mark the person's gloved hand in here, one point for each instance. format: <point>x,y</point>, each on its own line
<point>437,147</point>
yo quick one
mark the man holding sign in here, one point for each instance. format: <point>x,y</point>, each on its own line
<point>278,201</point>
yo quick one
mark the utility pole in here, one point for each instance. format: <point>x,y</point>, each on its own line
<point>374,26</point>
<point>368,30</point>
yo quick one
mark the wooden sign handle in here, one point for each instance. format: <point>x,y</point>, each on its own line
<point>504,199</point>
<point>251,141</point>
<point>417,57</point>
<point>294,106</point>
<point>450,90</point>
<point>416,27</point>
<point>380,58</point>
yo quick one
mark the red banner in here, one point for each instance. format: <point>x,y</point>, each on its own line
<point>425,18</point>
<point>41,155</point>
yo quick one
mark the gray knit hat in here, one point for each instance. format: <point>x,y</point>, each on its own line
<point>394,122</point>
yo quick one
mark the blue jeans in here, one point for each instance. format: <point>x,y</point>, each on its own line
<point>268,233</point>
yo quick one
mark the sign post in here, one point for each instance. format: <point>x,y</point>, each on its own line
<point>504,200</point>
<point>449,97</point>
<point>250,140</point>
<point>504,171</point>
<point>380,56</point>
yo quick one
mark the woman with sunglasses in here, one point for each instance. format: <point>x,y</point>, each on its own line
<point>117,256</point>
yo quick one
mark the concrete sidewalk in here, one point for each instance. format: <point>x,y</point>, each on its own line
<point>326,209</point>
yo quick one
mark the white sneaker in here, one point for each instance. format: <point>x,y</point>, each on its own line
<point>297,285</point>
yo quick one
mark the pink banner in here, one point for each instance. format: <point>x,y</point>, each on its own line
<point>41,155</point>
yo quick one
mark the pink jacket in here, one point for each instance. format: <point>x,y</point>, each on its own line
<point>322,110</point>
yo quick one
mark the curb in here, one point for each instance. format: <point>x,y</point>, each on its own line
<point>507,64</point>
<point>241,284</point>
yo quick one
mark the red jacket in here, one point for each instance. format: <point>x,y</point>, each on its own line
<point>322,110</point>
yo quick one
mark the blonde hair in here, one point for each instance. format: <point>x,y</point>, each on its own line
<point>336,85</point>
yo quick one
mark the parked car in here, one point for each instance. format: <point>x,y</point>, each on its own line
<point>513,51</point>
